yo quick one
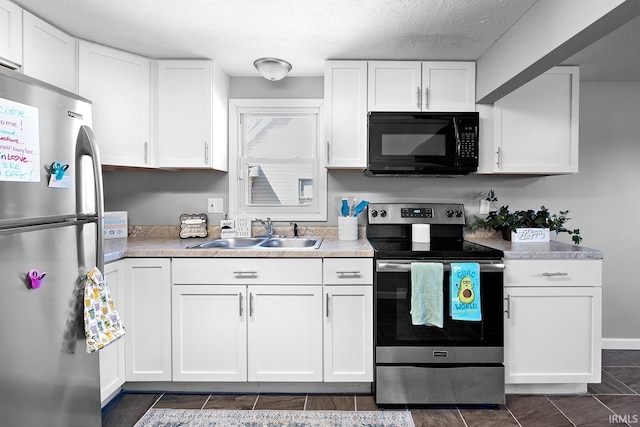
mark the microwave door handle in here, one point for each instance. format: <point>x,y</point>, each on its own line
<point>458,144</point>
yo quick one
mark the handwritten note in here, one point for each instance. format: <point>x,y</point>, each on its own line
<point>19,142</point>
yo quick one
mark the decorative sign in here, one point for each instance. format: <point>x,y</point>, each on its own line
<point>19,142</point>
<point>532,235</point>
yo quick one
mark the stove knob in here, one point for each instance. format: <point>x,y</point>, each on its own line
<point>449,213</point>
<point>383,213</point>
<point>374,214</point>
<point>458,213</point>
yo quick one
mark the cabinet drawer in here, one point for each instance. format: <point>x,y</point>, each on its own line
<point>262,271</point>
<point>553,272</point>
<point>348,271</point>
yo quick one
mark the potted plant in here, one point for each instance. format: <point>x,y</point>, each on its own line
<point>508,222</point>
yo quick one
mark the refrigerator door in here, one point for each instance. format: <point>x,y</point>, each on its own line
<point>46,376</point>
<point>39,128</point>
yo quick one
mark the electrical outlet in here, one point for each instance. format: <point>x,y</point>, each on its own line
<point>485,206</point>
<point>214,205</point>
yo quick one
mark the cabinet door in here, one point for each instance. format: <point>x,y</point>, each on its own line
<point>10,34</point>
<point>185,134</point>
<point>535,127</point>
<point>395,86</point>
<point>112,364</point>
<point>148,319</point>
<point>552,335</point>
<point>448,86</point>
<point>209,333</point>
<point>348,333</point>
<point>345,95</point>
<point>285,333</point>
<point>118,85</point>
<point>49,54</point>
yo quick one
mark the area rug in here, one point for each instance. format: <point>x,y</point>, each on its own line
<point>258,418</point>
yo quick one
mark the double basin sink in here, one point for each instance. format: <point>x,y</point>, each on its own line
<point>261,243</point>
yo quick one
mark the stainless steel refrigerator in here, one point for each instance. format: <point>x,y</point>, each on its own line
<point>51,209</point>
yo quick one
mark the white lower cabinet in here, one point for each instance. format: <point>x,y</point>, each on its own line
<point>247,319</point>
<point>285,333</point>
<point>348,320</point>
<point>553,316</point>
<point>272,320</point>
<point>209,333</point>
<point>147,319</point>
<point>112,365</point>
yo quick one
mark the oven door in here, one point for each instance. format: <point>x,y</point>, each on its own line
<point>458,341</point>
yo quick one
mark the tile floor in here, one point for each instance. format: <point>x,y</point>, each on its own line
<point>615,401</point>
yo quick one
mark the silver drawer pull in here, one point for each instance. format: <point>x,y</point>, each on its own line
<point>348,273</point>
<point>245,273</point>
<point>554,274</point>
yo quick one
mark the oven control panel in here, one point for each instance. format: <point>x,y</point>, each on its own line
<point>416,213</point>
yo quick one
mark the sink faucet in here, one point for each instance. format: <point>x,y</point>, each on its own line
<point>268,226</point>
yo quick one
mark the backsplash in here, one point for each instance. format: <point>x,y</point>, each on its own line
<point>172,231</point>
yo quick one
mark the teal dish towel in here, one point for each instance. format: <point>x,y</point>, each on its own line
<point>426,293</point>
<point>465,291</point>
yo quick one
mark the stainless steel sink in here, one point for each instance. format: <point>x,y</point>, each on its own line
<point>292,242</point>
<point>261,243</point>
<point>236,243</point>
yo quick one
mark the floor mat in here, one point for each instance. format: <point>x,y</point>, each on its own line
<point>258,418</point>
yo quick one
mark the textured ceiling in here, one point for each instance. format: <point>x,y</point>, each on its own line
<point>236,32</point>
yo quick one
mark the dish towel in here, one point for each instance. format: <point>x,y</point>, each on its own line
<point>465,291</point>
<point>102,324</point>
<point>426,293</point>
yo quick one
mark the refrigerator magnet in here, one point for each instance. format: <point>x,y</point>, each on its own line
<point>58,177</point>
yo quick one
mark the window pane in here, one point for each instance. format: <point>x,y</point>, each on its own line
<point>279,136</point>
<point>278,184</point>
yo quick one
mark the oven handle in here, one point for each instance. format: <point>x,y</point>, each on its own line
<point>405,265</point>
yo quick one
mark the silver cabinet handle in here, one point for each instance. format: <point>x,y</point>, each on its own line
<point>426,98</point>
<point>419,96</point>
<point>146,153</point>
<point>240,302</point>
<point>250,304</point>
<point>499,162</point>
<point>555,274</point>
<point>327,304</point>
<point>206,153</point>
<point>508,310</point>
<point>348,273</point>
<point>245,273</point>
<point>328,152</point>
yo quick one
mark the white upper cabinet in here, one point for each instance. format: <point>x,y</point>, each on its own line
<point>192,114</point>
<point>421,86</point>
<point>345,95</point>
<point>118,85</point>
<point>535,127</point>
<point>48,53</point>
<point>10,34</point>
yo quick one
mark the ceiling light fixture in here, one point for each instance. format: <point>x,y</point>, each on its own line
<point>273,69</point>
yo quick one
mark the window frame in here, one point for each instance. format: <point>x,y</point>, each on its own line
<point>317,211</point>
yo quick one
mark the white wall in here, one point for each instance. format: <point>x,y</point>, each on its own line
<point>606,187</point>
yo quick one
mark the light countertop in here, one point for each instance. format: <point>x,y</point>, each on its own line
<point>550,250</point>
<point>168,247</point>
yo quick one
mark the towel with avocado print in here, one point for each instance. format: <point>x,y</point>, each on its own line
<point>102,324</point>
<point>465,291</point>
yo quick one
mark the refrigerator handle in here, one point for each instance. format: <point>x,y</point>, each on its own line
<point>86,146</point>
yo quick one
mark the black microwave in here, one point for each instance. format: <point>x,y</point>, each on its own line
<point>415,144</point>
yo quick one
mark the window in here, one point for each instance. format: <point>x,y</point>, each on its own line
<point>276,166</point>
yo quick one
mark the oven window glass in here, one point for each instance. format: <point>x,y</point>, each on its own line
<point>414,145</point>
<point>393,315</point>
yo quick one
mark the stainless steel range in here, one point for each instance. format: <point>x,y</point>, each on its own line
<point>460,362</point>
